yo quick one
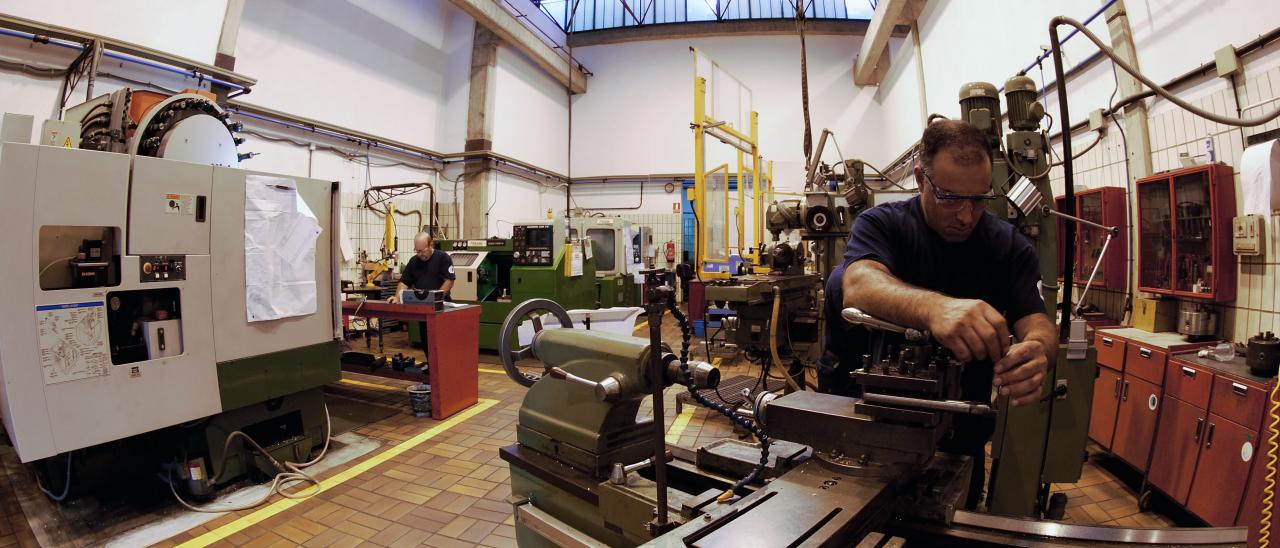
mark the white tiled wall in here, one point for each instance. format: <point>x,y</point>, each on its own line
<point>666,228</point>
<point>365,227</point>
<point>1174,131</point>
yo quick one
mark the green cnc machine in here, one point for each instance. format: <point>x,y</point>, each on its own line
<point>535,262</point>
<point>617,249</point>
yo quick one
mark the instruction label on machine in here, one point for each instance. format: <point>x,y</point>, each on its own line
<point>179,204</point>
<point>73,341</point>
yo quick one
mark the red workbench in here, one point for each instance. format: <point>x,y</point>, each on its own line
<point>453,347</point>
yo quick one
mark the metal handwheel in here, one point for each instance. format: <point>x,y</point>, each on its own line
<point>531,310</point>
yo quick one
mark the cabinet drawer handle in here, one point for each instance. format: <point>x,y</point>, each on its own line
<point>1199,427</point>
<point>1189,372</point>
<point>1208,437</point>
<point>1106,341</point>
<point>1124,394</point>
<point>1116,391</point>
<point>1239,389</point>
<point>1144,352</point>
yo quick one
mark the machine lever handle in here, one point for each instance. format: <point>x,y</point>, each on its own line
<point>605,390</point>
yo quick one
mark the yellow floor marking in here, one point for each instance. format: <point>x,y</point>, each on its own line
<point>678,426</point>
<point>328,483</point>
<point>493,371</point>
<point>640,326</point>
<point>374,386</point>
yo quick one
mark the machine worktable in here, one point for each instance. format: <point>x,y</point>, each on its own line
<point>453,339</point>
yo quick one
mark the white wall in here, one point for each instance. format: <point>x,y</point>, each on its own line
<point>634,119</point>
<point>374,66</point>
<point>188,29</point>
<point>531,113</point>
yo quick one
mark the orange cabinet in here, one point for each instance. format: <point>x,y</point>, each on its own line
<point>1226,455</point>
<point>1174,466</point>
<point>1106,402</point>
<point>1136,421</point>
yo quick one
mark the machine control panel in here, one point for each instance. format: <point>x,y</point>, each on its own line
<point>533,245</point>
<point>162,268</point>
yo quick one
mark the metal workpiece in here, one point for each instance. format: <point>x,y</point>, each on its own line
<point>948,406</point>
<point>831,425</point>
<point>976,529</point>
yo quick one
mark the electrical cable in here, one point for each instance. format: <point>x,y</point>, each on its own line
<point>686,334</point>
<point>54,263</point>
<point>1269,482</point>
<point>290,473</point>
<point>773,338</point>
<point>1163,93</point>
<point>66,486</point>
<point>1128,212</point>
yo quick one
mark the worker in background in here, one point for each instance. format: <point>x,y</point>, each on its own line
<point>427,270</point>
<point>940,262</point>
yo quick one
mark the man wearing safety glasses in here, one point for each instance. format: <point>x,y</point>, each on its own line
<point>940,262</point>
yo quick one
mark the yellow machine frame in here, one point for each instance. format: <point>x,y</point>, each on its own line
<point>747,144</point>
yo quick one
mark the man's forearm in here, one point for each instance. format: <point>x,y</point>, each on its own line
<point>869,287</point>
<point>1037,327</point>
<point>400,287</point>
<point>446,286</point>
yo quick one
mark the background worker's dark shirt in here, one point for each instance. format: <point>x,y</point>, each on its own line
<point>429,274</point>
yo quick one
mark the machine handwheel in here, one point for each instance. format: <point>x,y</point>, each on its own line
<point>531,310</point>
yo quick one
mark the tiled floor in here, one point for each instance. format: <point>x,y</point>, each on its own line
<point>449,490</point>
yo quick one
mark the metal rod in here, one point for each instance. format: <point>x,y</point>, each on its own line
<point>948,406</point>
<point>657,297</point>
<point>1109,229</point>
<point>1088,284</point>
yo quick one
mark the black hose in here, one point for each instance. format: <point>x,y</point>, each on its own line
<point>686,334</point>
<point>1068,174</point>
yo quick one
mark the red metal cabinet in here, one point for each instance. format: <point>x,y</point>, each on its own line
<point>1106,402</point>
<point>1105,206</point>
<point>1136,421</point>
<point>1110,351</point>
<point>1174,466</point>
<point>1184,233</point>
<point>1226,455</point>
<point>1145,362</point>
<point>1188,382</point>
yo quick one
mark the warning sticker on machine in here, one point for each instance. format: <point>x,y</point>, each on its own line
<point>180,204</point>
<point>73,341</point>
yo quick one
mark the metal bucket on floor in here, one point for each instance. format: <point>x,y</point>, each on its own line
<point>420,400</point>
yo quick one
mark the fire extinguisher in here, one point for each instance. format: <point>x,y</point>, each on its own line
<point>671,252</point>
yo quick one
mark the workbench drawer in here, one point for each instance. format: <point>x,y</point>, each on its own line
<point>1145,362</point>
<point>1238,400</point>
<point>1110,351</point>
<point>1188,382</point>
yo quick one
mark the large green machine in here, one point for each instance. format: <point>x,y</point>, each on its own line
<point>535,262</point>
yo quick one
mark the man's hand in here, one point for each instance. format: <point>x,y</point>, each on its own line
<point>970,329</point>
<point>393,299</point>
<point>1020,373</point>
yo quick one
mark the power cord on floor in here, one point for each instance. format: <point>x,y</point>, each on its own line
<point>66,485</point>
<point>290,472</point>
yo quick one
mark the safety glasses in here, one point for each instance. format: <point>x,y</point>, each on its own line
<point>954,201</point>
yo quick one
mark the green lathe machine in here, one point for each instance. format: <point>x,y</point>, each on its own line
<point>498,273</point>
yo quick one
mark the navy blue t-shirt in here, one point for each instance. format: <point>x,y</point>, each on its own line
<point>997,264</point>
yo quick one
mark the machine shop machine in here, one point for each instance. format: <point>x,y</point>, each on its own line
<point>585,471</point>
<point>146,293</point>
<point>536,262</point>
<point>615,245</point>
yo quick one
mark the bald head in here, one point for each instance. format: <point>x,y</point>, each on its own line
<point>422,245</point>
